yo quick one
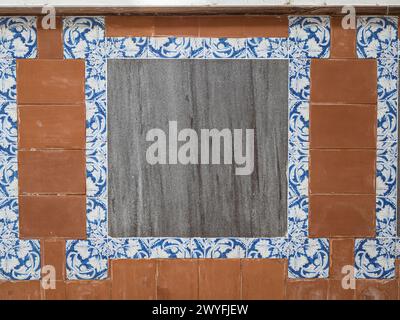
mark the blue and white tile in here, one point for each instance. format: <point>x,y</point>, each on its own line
<point>96,124</point>
<point>96,218</point>
<point>161,248</point>
<point>299,122</point>
<point>297,216</point>
<point>388,79</point>
<point>127,47</point>
<point>8,82</point>
<point>86,259</point>
<point>386,169</point>
<point>377,37</point>
<point>84,38</point>
<point>8,129</point>
<point>309,37</point>
<point>176,48</point>
<point>386,224</point>
<point>299,79</point>
<point>298,175</point>
<point>8,177</point>
<point>95,82</point>
<point>267,48</point>
<point>219,248</point>
<point>225,48</point>
<point>19,259</point>
<point>9,226</point>
<point>96,176</point>
<point>131,248</point>
<point>308,258</point>
<point>375,258</point>
<point>387,121</point>
<point>18,38</point>
<point>267,248</point>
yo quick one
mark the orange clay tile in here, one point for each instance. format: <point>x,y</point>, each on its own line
<point>59,293</point>
<point>20,290</point>
<point>50,45</point>
<point>341,254</point>
<point>88,290</point>
<point>343,41</point>
<point>187,26</point>
<point>337,292</point>
<point>371,289</point>
<point>315,289</point>
<point>129,26</point>
<point>53,253</point>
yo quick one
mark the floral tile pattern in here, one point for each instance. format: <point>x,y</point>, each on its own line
<point>267,48</point>
<point>8,128</point>
<point>127,48</point>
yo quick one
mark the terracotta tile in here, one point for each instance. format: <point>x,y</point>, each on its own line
<point>20,290</point>
<point>88,290</point>
<point>343,81</point>
<point>343,41</point>
<point>341,254</point>
<point>342,126</point>
<point>185,26</point>
<point>59,293</point>
<point>316,289</point>
<point>178,279</point>
<point>46,81</point>
<point>49,41</point>
<point>337,292</point>
<point>377,289</point>
<point>219,279</point>
<point>52,171</point>
<point>342,171</point>
<point>129,26</point>
<point>133,279</point>
<point>52,216</point>
<point>53,250</point>
<point>342,216</point>
<point>263,279</point>
<point>243,26</point>
<point>42,127</point>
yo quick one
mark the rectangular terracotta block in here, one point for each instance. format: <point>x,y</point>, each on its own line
<point>263,279</point>
<point>52,250</point>
<point>88,290</point>
<point>341,254</point>
<point>344,81</point>
<point>342,216</point>
<point>59,293</point>
<point>306,289</point>
<point>342,126</point>
<point>243,26</point>
<point>371,289</point>
<point>134,279</point>
<point>49,41</point>
<point>337,292</point>
<point>342,171</point>
<point>20,290</point>
<point>43,127</point>
<point>343,41</point>
<point>47,81</point>
<point>219,279</point>
<point>52,216</point>
<point>178,279</point>
<point>187,26</point>
<point>129,26</point>
<point>52,172</point>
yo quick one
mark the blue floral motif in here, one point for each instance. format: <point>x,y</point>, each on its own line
<point>96,124</point>
<point>8,129</point>
<point>8,82</point>
<point>219,248</point>
<point>18,37</point>
<point>84,38</point>
<point>387,121</point>
<point>374,258</point>
<point>176,48</point>
<point>385,217</point>
<point>298,171</point>
<point>387,79</point>
<point>377,37</point>
<point>131,248</point>
<point>19,259</point>
<point>297,216</point>
<point>268,248</point>
<point>8,218</point>
<point>267,48</point>
<point>225,48</point>
<point>87,259</point>
<point>309,37</point>
<point>299,122</point>
<point>386,169</point>
<point>95,84</point>
<point>8,177</point>
<point>299,79</point>
<point>96,176</point>
<point>96,216</point>
<point>308,258</point>
<point>169,248</point>
<point>123,48</point>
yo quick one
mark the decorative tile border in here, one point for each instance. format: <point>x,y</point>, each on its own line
<point>309,37</point>
<point>19,259</point>
<point>377,39</point>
